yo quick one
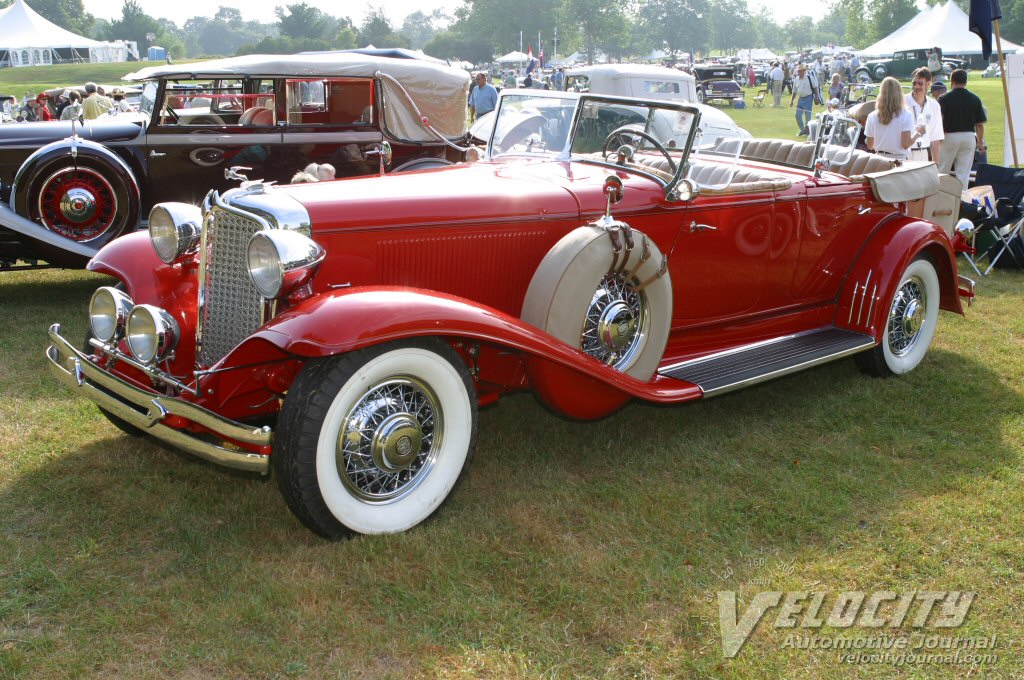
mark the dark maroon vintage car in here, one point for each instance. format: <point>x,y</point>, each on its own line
<point>343,335</point>
<point>80,187</point>
<point>715,83</point>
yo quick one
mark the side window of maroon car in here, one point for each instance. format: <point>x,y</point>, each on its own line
<point>330,101</point>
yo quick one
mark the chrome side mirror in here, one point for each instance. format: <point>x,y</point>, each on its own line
<point>384,152</point>
<point>965,228</point>
<point>613,191</point>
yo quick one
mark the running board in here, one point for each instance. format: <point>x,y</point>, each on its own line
<point>751,364</point>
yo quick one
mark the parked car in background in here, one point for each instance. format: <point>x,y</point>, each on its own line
<point>715,83</point>
<point>78,187</point>
<point>901,65</point>
<point>8,103</point>
<point>992,71</point>
<point>344,335</point>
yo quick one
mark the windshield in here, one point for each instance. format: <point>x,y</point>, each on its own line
<point>148,97</point>
<point>668,140</point>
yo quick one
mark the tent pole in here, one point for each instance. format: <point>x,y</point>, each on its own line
<point>1006,94</point>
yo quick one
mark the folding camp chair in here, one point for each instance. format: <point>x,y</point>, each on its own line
<point>759,98</point>
<point>999,225</point>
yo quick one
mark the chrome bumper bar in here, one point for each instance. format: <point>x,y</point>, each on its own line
<point>145,410</point>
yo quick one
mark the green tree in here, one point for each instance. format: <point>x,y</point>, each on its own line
<point>600,24</point>
<point>136,25</point>
<point>769,33</point>
<point>453,45</point>
<point>676,25</point>
<point>885,16</point>
<point>302,21</point>
<point>377,31</point>
<point>800,32</point>
<point>419,28</point>
<point>731,25</point>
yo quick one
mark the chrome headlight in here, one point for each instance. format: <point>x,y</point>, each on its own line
<point>965,228</point>
<point>152,334</point>
<point>281,261</point>
<point>174,230</point>
<point>108,313</point>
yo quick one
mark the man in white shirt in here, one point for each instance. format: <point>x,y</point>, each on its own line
<point>776,76</point>
<point>925,109</point>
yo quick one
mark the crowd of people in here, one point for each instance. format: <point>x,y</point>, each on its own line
<point>72,104</point>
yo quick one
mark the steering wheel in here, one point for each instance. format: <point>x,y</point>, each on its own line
<point>621,136</point>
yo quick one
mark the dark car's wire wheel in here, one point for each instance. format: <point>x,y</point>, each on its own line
<point>88,199</point>
<point>611,301</point>
<point>880,72</point>
<point>77,203</point>
<point>909,325</point>
<point>374,441</point>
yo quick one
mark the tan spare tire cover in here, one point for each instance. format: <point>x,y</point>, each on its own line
<point>562,292</point>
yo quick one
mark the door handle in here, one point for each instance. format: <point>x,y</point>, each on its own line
<point>156,154</point>
<point>695,227</point>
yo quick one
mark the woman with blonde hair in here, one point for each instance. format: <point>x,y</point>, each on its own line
<point>890,127</point>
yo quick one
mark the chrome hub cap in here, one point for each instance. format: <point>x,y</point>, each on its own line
<point>907,316</point>
<point>78,205</point>
<point>616,323</point>
<point>389,440</point>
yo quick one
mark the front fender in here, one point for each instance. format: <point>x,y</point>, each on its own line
<point>872,280</point>
<point>345,320</point>
<point>132,260</point>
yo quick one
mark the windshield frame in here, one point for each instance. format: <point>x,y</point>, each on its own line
<point>581,100</point>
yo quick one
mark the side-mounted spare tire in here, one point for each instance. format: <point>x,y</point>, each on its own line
<point>606,291</point>
<point>79,190</point>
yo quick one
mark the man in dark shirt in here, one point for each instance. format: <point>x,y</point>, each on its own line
<point>963,121</point>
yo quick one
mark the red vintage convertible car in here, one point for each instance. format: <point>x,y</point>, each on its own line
<point>344,334</point>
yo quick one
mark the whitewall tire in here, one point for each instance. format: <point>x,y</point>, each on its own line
<point>374,441</point>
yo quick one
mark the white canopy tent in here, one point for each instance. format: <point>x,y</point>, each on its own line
<point>27,39</point>
<point>757,54</point>
<point>512,58</point>
<point>942,26</point>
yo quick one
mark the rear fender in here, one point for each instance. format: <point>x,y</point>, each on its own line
<point>346,320</point>
<point>871,282</point>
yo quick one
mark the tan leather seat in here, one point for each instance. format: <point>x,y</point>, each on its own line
<point>257,116</point>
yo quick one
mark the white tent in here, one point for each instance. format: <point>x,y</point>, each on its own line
<point>27,39</point>
<point>757,54</point>
<point>512,58</point>
<point>942,26</point>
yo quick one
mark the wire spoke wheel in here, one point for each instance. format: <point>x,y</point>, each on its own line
<point>616,322</point>
<point>907,316</point>
<point>387,445</point>
<point>77,203</point>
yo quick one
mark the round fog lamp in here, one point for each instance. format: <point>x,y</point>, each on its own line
<point>174,230</point>
<point>152,334</point>
<point>108,313</point>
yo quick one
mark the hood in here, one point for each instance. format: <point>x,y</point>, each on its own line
<point>484,192</point>
<point>487,192</point>
<point>111,129</point>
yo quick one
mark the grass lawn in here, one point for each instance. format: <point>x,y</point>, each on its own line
<point>571,550</point>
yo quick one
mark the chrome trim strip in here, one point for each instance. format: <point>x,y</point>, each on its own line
<point>871,307</point>
<point>145,410</point>
<point>867,344</point>
<point>864,294</point>
<point>734,350</point>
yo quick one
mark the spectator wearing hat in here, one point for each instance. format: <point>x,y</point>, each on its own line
<point>39,106</point>
<point>938,89</point>
<point>121,105</point>
<point>925,110</point>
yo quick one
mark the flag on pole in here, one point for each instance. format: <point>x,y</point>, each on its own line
<point>531,62</point>
<point>983,13</point>
<point>541,56</point>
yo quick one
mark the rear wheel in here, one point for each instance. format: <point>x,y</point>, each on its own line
<point>910,324</point>
<point>880,72</point>
<point>374,441</point>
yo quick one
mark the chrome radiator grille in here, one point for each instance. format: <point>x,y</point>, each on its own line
<point>230,305</point>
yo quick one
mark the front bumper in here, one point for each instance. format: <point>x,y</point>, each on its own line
<point>147,410</point>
